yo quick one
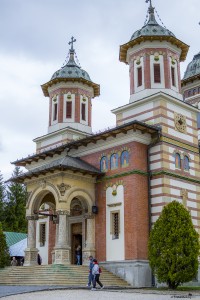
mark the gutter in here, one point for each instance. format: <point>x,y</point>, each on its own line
<point>149,185</point>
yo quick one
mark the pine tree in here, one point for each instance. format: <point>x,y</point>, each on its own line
<point>4,253</point>
<point>2,198</point>
<point>15,209</point>
<point>174,246</point>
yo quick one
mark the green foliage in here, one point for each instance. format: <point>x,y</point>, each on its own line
<point>174,246</point>
<point>4,253</point>
<point>15,210</point>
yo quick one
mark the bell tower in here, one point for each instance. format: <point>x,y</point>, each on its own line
<point>153,55</point>
<point>70,92</point>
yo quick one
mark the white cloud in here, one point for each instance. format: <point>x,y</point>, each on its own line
<point>34,37</point>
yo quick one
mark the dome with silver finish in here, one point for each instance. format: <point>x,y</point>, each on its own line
<point>193,67</point>
<point>152,28</point>
<point>71,69</point>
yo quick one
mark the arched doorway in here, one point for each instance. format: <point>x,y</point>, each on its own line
<point>78,209</point>
<point>45,208</point>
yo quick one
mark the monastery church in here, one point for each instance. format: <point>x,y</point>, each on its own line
<point>104,191</point>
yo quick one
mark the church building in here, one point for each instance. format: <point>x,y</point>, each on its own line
<point>104,191</point>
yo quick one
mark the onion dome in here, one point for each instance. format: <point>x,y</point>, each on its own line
<point>71,71</point>
<point>193,67</point>
<point>152,27</point>
<point>150,32</point>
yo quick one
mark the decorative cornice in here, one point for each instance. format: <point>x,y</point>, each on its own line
<point>114,204</point>
<point>164,172</point>
<point>132,172</point>
<point>179,144</point>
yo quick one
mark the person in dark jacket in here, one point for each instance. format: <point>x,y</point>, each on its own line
<point>90,277</point>
<point>39,259</point>
<point>78,255</point>
<point>96,273</point>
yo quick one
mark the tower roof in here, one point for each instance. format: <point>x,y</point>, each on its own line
<point>151,28</point>
<point>193,67</point>
<point>71,71</point>
<point>152,31</point>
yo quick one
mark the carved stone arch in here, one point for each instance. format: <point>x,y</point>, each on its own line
<point>39,193</point>
<point>80,194</point>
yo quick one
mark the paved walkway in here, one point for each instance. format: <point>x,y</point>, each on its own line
<point>59,293</point>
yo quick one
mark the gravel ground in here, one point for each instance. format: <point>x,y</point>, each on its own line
<point>99,295</point>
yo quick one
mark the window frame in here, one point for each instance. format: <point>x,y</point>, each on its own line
<point>115,228</point>
<point>42,234</point>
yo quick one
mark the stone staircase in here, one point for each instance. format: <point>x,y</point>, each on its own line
<point>62,275</point>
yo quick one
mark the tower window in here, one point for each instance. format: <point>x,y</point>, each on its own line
<point>83,112</point>
<point>186,163</point>
<point>55,111</point>
<point>42,234</point>
<point>173,76</point>
<point>139,75</point>
<point>69,109</point>
<point>157,73</point>
<point>177,161</point>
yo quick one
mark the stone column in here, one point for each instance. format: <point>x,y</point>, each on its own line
<point>56,242</point>
<point>31,251</point>
<point>62,249</point>
<point>90,239</point>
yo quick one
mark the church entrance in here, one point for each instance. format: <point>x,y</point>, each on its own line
<point>76,243</point>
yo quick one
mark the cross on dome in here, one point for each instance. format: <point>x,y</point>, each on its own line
<point>73,40</point>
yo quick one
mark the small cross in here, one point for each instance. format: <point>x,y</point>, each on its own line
<point>148,1</point>
<point>72,41</point>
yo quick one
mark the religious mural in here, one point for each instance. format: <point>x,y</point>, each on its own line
<point>125,158</point>
<point>114,161</point>
<point>104,164</point>
<point>177,160</point>
<point>186,163</point>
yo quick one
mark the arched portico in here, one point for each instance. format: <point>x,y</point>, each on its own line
<point>62,206</point>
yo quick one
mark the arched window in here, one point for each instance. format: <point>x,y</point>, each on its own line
<point>114,161</point>
<point>125,159</point>
<point>189,93</point>
<point>186,163</point>
<point>194,92</point>
<point>104,164</point>
<point>177,161</point>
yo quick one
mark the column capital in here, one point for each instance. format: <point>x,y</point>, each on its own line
<point>63,212</point>
<point>88,216</point>
<point>35,217</point>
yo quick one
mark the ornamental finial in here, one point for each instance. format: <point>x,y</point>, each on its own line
<point>150,11</point>
<point>73,40</point>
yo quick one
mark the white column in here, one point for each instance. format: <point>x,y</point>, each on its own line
<point>89,249</point>
<point>62,249</point>
<point>31,251</point>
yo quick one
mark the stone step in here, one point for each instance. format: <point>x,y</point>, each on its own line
<point>55,275</point>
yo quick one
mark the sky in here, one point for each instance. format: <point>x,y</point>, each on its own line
<point>34,44</point>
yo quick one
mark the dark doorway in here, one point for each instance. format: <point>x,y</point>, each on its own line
<point>76,241</point>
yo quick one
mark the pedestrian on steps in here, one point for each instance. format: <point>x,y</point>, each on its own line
<point>96,274</point>
<point>90,277</point>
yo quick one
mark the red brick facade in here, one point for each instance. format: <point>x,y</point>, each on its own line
<point>135,201</point>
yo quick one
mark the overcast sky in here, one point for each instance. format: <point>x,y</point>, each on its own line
<point>34,44</point>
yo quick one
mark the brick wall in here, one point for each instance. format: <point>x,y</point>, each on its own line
<point>135,201</point>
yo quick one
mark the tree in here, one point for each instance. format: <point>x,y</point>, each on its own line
<point>4,253</point>
<point>2,198</point>
<point>15,208</point>
<point>174,246</point>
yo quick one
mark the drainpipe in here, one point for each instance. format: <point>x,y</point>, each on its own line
<point>149,185</point>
